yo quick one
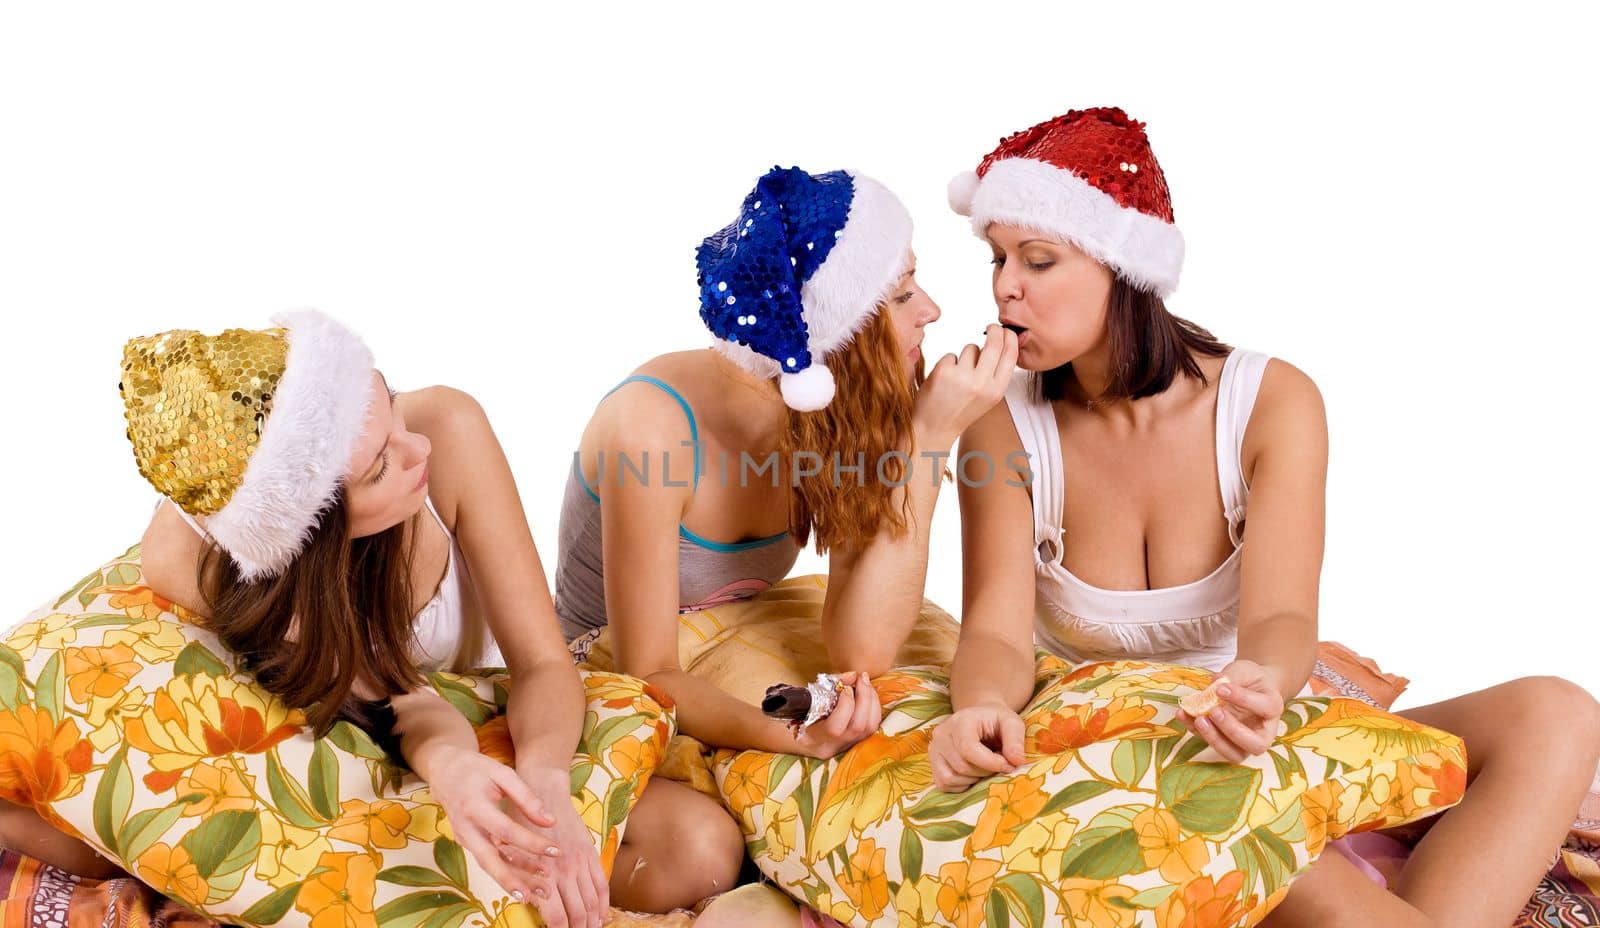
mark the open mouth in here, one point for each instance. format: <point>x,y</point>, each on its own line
<point>1014,327</point>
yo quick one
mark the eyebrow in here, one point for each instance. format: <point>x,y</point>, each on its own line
<point>910,273</point>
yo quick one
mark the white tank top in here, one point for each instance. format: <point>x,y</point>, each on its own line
<point>1195,624</point>
<point>440,626</point>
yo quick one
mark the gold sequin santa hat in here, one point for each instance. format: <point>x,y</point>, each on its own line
<point>1087,177</point>
<point>252,429</point>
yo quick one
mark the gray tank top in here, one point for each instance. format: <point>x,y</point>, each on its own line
<point>710,573</point>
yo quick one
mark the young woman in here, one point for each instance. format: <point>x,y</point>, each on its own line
<point>1148,441</point>
<point>342,538</point>
<point>700,477</point>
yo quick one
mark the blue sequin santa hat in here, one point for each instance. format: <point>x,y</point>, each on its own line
<point>809,260</point>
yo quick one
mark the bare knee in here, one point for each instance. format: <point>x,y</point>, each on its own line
<point>712,853</point>
<point>1555,700</point>
<point>1549,710</point>
<point>694,845</point>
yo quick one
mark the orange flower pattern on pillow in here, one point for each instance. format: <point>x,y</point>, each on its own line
<point>1118,817</point>
<point>126,723</point>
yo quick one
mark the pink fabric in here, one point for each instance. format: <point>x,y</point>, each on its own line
<point>811,918</point>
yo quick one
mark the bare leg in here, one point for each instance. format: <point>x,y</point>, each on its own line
<point>1532,746</point>
<point>1333,892</point>
<point>24,831</point>
<point>679,848</point>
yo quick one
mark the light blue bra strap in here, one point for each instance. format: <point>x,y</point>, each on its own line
<point>728,547</point>
<point>694,430</point>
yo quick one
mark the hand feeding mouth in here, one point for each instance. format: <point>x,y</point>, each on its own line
<point>1014,327</point>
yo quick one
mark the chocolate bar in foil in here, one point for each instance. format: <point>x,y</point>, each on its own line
<point>802,706</point>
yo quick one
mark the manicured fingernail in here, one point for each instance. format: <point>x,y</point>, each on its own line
<point>1224,691</point>
<point>517,896</point>
<point>552,851</point>
<point>541,894</point>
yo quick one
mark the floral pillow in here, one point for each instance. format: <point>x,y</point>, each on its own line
<point>1120,816</point>
<point>125,724</point>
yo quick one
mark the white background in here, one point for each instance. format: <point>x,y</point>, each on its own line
<point>506,199</point>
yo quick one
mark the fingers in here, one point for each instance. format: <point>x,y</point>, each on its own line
<point>868,710</point>
<point>1248,740</point>
<point>1012,735</point>
<point>503,831</point>
<point>977,758</point>
<point>510,877</point>
<point>582,903</point>
<point>837,724</point>
<point>947,779</point>
<point>994,345</point>
<point>1008,359</point>
<point>1262,705</point>
<point>602,887</point>
<point>1218,741</point>
<point>969,356</point>
<point>521,797</point>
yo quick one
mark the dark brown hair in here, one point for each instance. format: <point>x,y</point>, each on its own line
<point>1150,347</point>
<point>869,417</point>
<point>353,600</point>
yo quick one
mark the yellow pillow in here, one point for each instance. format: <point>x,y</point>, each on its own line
<point>1119,817</point>
<point>124,723</point>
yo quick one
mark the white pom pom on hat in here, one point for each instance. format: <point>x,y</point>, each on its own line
<point>808,390</point>
<point>961,190</point>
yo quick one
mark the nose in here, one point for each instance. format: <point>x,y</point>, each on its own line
<point>1007,285</point>
<point>418,448</point>
<point>932,314</point>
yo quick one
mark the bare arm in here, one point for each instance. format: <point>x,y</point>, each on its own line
<point>546,708</point>
<point>1287,447</point>
<point>639,533</point>
<point>886,578</point>
<point>472,475</point>
<point>875,594</point>
<point>994,661</point>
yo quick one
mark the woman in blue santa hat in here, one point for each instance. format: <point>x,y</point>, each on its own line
<point>812,296</point>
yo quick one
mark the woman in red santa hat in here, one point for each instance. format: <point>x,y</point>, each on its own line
<point>1133,419</point>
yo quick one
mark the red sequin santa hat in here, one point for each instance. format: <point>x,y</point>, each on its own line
<point>1089,178</point>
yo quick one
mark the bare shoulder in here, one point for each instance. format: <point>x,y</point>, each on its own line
<point>994,435</point>
<point>1287,396</point>
<point>463,443</point>
<point>641,415</point>
<point>170,559</point>
<point>1288,414</point>
<point>443,411</point>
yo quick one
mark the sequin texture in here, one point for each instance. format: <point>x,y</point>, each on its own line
<point>752,271</point>
<point>196,405</point>
<point>1109,150</point>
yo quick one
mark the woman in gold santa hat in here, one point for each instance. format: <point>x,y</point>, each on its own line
<point>343,538</point>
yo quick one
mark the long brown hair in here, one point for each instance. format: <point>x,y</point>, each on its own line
<point>1150,347</point>
<point>353,601</point>
<point>869,417</point>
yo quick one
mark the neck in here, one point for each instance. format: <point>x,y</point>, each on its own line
<point>1091,376</point>
<point>754,403</point>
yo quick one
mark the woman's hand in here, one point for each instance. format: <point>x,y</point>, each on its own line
<point>1245,723</point>
<point>858,714</point>
<point>974,743</point>
<point>569,889</point>
<point>960,389</point>
<point>506,842</point>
